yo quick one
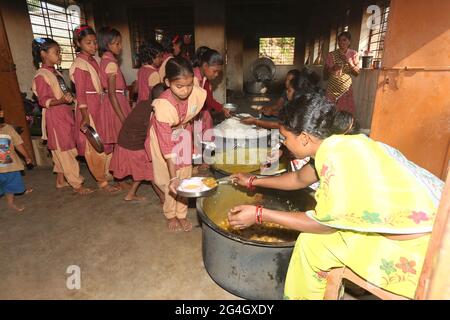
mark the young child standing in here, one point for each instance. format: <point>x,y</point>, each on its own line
<point>11,181</point>
<point>171,138</point>
<point>58,121</point>
<point>131,155</point>
<point>84,72</point>
<point>150,58</point>
<point>115,106</point>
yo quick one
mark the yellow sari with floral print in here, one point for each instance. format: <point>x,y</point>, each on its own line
<point>367,190</point>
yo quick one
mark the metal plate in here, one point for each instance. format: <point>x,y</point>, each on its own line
<point>196,194</point>
<point>231,106</point>
<point>94,139</point>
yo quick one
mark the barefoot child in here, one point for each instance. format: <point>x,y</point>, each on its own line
<point>150,58</point>
<point>11,181</point>
<point>115,103</point>
<point>84,72</point>
<point>130,157</point>
<point>59,123</point>
<point>171,137</point>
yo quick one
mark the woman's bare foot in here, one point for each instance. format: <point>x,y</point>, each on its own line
<point>134,198</point>
<point>28,190</point>
<point>109,188</point>
<point>173,225</point>
<point>83,191</point>
<point>186,225</point>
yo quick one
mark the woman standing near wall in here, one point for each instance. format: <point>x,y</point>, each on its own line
<point>341,64</point>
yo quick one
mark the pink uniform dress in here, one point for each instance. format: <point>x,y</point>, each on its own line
<point>164,131</point>
<point>148,77</point>
<point>131,156</point>
<point>87,96</point>
<point>210,104</point>
<point>59,119</point>
<point>109,67</point>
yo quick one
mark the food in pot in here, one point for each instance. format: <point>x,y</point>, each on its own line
<point>265,232</point>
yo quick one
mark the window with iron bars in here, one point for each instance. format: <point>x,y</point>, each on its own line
<point>57,20</point>
<point>280,50</point>
<point>154,21</point>
<point>377,32</point>
<point>340,25</point>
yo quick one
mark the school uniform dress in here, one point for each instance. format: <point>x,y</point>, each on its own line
<point>148,77</point>
<point>84,73</point>
<point>162,69</point>
<point>58,125</point>
<point>109,67</point>
<point>171,138</point>
<point>131,157</point>
<point>204,117</point>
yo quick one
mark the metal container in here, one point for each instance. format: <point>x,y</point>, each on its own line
<point>247,268</point>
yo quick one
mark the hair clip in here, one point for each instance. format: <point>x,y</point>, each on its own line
<point>40,40</point>
<point>80,29</point>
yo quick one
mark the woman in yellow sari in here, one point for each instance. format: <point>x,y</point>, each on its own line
<point>375,209</point>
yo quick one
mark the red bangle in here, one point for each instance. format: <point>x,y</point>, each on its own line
<point>250,183</point>
<point>258,214</point>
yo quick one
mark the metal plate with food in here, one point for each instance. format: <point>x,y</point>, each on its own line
<point>196,187</point>
<point>94,139</point>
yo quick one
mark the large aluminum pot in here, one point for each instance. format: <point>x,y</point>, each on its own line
<point>247,268</point>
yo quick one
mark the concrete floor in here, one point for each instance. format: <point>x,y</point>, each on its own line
<point>124,250</point>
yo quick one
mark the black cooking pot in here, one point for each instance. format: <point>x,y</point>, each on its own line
<point>247,268</point>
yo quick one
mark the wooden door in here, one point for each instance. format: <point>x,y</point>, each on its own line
<point>10,96</point>
<point>412,105</point>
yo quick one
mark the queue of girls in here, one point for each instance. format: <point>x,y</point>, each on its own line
<point>138,142</point>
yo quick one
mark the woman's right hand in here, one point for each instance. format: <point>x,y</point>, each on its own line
<point>240,179</point>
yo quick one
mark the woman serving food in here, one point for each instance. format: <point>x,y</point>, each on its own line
<point>375,209</point>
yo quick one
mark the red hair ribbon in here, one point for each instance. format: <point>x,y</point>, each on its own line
<point>80,29</point>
